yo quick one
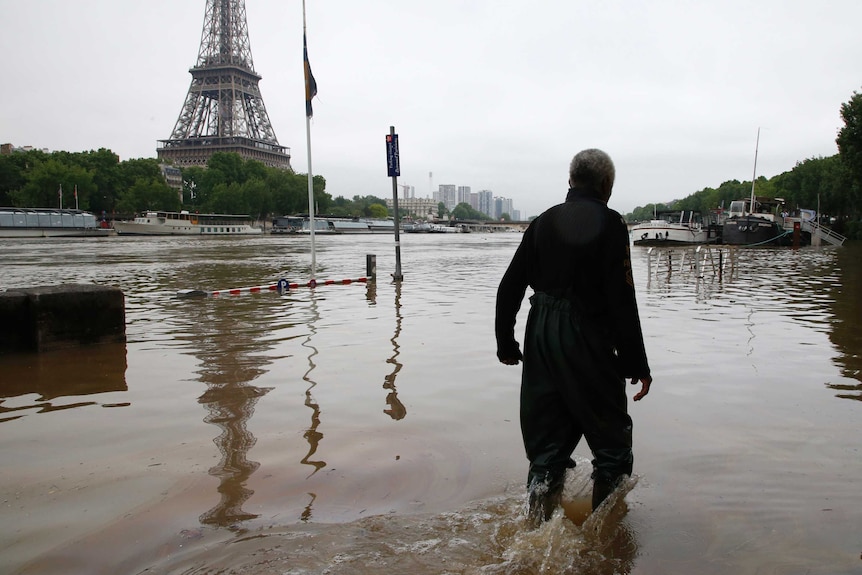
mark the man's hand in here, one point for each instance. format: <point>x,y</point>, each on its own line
<point>509,353</point>
<point>645,383</point>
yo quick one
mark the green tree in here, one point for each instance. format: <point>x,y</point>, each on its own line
<point>260,190</point>
<point>289,193</point>
<point>377,211</point>
<point>464,211</point>
<point>106,169</point>
<point>341,206</point>
<point>148,194</point>
<point>849,142</point>
<point>322,200</point>
<point>227,167</point>
<point>44,181</point>
<point>192,175</point>
<point>258,198</point>
<point>227,199</point>
<point>13,172</point>
<point>816,181</point>
<point>130,173</point>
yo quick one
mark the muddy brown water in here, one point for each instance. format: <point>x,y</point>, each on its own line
<point>367,428</point>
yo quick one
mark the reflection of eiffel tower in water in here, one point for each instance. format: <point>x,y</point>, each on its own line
<point>229,361</point>
<point>224,110</point>
<point>230,407</point>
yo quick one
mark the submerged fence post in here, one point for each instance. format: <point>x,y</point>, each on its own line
<point>649,262</point>
<point>698,264</point>
<point>371,266</point>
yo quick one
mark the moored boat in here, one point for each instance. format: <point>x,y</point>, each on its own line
<point>50,223</point>
<point>760,225</point>
<point>154,223</point>
<point>678,227</point>
<point>330,225</point>
<point>755,221</point>
<point>441,229</point>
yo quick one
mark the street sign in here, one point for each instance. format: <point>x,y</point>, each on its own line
<point>392,160</point>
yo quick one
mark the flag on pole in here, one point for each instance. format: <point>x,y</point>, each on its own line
<point>60,195</point>
<point>310,84</point>
<point>76,196</point>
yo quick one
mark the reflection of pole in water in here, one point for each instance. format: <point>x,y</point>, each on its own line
<point>230,407</point>
<point>371,292</point>
<point>311,434</point>
<point>396,408</point>
<point>306,513</point>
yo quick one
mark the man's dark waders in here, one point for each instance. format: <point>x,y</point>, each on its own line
<point>570,388</point>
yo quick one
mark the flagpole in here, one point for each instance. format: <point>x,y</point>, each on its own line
<point>76,196</point>
<point>61,196</point>
<point>306,74</point>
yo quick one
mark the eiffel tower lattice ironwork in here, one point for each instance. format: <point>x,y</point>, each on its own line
<point>224,110</point>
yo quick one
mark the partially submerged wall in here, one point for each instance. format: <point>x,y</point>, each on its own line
<point>55,317</point>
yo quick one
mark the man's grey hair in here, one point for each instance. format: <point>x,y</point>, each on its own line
<point>592,168</point>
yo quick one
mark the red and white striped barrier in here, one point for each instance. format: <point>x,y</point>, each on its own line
<point>281,287</point>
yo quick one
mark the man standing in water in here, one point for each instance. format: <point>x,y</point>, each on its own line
<point>582,340</point>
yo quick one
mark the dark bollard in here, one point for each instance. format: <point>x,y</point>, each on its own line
<point>371,266</point>
<point>56,317</point>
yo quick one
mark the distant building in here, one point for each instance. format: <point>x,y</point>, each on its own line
<point>448,194</point>
<point>415,207</point>
<point>6,149</point>
<point>502,206</point>
<point>485,202</point>
<point>173,177</point>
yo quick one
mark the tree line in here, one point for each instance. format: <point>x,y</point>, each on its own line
<point>834,183</point>
<point>231,184</point>
<point>228,184</point>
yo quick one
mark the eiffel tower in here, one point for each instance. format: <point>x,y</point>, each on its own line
<point>224,110</point>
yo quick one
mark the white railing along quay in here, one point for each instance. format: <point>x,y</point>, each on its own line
<point>823,232</point>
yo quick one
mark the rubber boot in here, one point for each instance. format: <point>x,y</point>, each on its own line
<point>544,497</point>
<point>601,490</point>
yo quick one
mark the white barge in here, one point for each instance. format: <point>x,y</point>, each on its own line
<point>187,224</point>
<point>50,223</point>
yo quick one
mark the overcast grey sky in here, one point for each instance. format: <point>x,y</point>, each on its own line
<point>491,94</point>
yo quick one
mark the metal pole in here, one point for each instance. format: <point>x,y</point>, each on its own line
<point>397,276</point>
<point>311,224</point>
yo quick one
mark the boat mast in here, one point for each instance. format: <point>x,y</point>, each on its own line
<point>754,173</point>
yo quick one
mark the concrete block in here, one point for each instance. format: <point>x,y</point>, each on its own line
<point>14,327</point>
<point>56,317</point>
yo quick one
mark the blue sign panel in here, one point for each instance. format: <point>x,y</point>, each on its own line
<point>392,159</point>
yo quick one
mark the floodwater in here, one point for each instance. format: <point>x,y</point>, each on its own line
<point>368,428</point>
